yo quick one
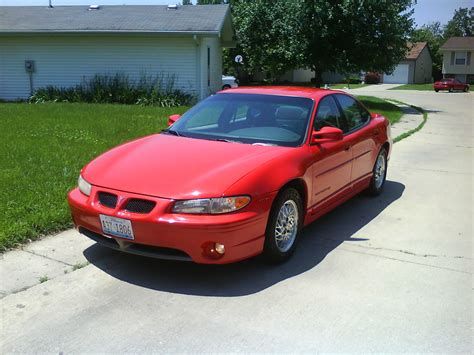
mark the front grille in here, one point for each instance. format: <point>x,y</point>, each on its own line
<point>108,200</point>
<point>139,206</point>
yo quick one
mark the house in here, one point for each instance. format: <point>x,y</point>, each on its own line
<point>457,57</point>
<point>62,45</point>
<point>416,68</point>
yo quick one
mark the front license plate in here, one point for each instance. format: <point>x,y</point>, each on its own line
<point>118,227</point>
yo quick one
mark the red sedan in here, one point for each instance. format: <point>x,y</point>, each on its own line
<point>450,85</point>
<point>237,175</point>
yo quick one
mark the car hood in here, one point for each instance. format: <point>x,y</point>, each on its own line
<point>177,167</point>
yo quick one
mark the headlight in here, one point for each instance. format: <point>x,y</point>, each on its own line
<point>84,186</point>
<point>211,205</point>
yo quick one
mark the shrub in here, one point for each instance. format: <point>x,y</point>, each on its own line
<point>372,78</point>
<point>118,88</point>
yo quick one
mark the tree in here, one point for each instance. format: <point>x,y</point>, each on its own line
<point>353,35</point>
<point>431,33</point>
<point>461,25</point>
<point>267,38</point>
<point>187,2</point>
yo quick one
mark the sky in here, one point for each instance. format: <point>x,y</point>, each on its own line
<point>425,10</point>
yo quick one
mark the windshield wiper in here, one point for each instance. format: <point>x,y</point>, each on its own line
<point>264,144</point>
<point>225,140</point>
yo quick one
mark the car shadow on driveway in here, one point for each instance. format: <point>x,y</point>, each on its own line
<point>254,275</point>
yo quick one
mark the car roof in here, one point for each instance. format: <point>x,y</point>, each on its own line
<point>299,91</point>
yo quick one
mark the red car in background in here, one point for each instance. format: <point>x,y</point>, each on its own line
<point>450,85</point>
<point>237,175</point>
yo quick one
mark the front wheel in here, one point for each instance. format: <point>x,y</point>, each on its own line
<point>284,226</point>
<point>379,174</point>
<point>466,89</point>
<point>451,90</point>
<point>436,90</point>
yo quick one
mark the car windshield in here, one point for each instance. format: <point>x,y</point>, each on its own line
<point>248,118</point>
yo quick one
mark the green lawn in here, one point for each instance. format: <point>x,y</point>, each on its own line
<point>421,87</point>
<point>43,149</point>
<point>385,108</point>
<point>308,84</point>
<point>350,86</point>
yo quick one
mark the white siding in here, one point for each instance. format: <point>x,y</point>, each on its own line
<point>65,60</point>
<point>214,72</point>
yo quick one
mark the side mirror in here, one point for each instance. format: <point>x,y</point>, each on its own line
<point>375,115</point>
<point>327,134</point>
<point>172,119</point>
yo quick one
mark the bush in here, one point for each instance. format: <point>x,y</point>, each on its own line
<point>372,78</point>
<point>118,88</point>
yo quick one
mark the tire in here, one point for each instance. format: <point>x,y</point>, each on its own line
<point>225,87</point>
<point>466,89</point>
<point>278,248</point>
<point>379,174</point>
<point>451,90</point>
<point>436,90</point>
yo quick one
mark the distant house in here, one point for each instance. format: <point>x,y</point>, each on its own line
<point>61,46</point>
<point>416,68</point>
<point>457,59</point>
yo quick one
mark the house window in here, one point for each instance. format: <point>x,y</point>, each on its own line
<point>460,58</point>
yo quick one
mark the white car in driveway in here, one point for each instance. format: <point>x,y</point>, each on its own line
<point>228,82</point>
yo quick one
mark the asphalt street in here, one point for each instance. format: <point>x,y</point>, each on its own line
<point>390,274</point>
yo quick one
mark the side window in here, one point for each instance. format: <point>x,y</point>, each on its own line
<point>355,115</point>
<point>328,114</point>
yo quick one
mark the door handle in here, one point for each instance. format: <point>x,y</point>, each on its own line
<point>347,147</point>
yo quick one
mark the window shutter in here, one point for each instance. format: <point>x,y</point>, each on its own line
<point>452,58</point>
<point>468,60</point>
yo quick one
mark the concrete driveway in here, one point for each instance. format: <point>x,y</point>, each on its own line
<point>391,274</point>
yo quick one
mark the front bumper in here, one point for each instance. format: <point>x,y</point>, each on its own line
<point>167,235</point>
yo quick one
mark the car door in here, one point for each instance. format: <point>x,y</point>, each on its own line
<point>458,85</point>
<point>360,137</point>
<point>331,165</point>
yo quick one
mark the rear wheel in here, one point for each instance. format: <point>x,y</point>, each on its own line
<point>466,89</point>
<point>284,226</point>
<point>379,174</point>
<point>451,90</point>
<point>436,90</point>
<point>226,86</point>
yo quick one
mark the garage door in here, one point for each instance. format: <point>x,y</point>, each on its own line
<point>399,75</point>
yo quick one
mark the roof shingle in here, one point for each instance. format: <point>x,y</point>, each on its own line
<point>414,50</point>
<point>125,18</point>
<point>462,43</point>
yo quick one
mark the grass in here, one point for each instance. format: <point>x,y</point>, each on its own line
<point>44,147</point>
<point>385,108</point>
<point>420,87</point>
<point>345,86</point>
<point>414,130</point>
<point>308,84</point>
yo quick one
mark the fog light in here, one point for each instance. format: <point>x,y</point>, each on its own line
<point>219,248</point>
<point>213,250</point>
